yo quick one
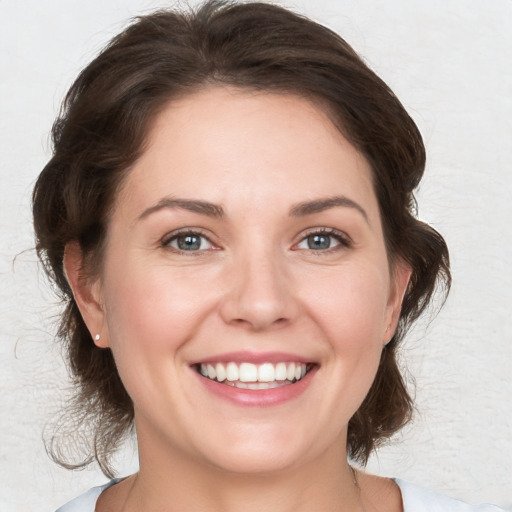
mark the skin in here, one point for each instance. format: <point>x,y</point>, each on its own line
<point>255,285</point>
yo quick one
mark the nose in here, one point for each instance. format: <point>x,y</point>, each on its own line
<point>260,293</point>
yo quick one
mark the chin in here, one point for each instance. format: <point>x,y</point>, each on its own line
<point>265,451</point>
<point>254,461</point>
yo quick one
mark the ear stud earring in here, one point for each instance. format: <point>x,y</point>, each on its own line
<point>97,337</point>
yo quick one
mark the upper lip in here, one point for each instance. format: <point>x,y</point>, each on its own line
<point>253,357</point>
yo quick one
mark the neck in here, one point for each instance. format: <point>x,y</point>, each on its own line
<point>178,482</point>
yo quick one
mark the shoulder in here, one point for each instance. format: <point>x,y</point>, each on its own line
<point>86,502</point>
<point>418,499</point>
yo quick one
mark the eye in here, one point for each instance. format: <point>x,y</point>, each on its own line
<point>188,241</point>
<point>323,241</point>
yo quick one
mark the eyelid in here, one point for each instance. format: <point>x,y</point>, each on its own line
<point>344,240</point>
<point>169,237</point>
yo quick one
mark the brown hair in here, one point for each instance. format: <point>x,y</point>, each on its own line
<point>101,131</point>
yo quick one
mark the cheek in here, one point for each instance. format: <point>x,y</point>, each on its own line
<point>150,316</point>
<point>353,316</point>
<point>154,310</point>
<point>351,306</point>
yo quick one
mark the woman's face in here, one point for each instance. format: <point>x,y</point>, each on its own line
<point>246,241</point>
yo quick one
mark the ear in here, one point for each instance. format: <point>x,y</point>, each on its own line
<point>400,276</point>
<point>87,293</point>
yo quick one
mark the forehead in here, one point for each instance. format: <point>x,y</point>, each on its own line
<point>228,144</point>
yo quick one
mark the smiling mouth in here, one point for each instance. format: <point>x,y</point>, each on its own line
<point>253,376</point>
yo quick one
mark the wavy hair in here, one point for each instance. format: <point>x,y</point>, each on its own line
<point>101,132</point>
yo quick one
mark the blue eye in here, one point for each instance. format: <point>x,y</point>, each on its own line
<point>322,241</point>
<point>189,242</point>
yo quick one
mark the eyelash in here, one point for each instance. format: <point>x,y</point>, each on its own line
<point>166,241</point>
<point>343,240</point>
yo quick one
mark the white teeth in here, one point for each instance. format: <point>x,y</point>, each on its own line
<point>251,376</point>
<point>257,385</point>
<point>221,372</point>
<point>212,374</point>
<point>263,385</point>
<point>248,372</point>
<point>280,373</point>
<point>290,373</point>
<point>266,373</point>
<point>232,372</point>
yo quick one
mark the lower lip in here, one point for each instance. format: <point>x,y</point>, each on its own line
<point>258,397</point>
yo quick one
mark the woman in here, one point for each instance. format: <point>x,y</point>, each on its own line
<point>229,215</point>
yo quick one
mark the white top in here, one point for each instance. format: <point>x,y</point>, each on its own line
<point>415,499</point>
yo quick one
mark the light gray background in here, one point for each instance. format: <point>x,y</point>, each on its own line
<point>449,61</point>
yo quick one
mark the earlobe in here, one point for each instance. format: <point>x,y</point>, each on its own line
<point>86,292</point>
<point>399,282</point>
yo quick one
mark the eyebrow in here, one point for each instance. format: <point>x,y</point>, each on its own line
<point>320,205</point>
<point>192,205</point>
<point>216,211</point>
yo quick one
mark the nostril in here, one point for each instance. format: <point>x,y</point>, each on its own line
<point>257,322</point>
